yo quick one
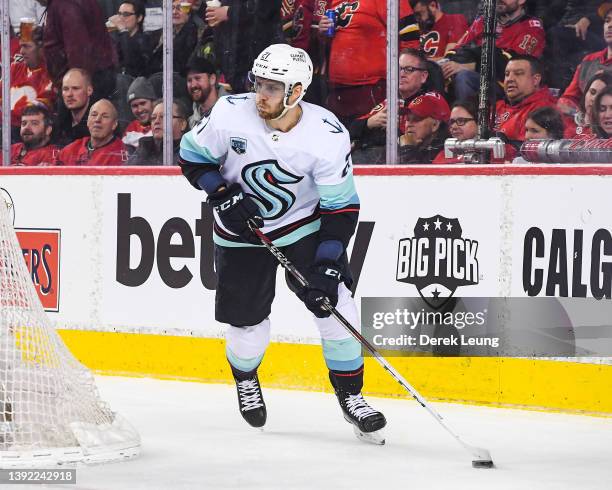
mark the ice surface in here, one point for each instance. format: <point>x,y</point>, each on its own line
<point>194,438</point>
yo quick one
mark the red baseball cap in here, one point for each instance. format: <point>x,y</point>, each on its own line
<point>430,104</point>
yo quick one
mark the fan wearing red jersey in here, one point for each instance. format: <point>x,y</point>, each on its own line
<point>593,63</point>
<point>30,82</point>
<point>103,147</point>
<point>357,60</point>
<point>524,93</point>
<point>440,32</point>
<point>35,132</point>
<point>517,34</point>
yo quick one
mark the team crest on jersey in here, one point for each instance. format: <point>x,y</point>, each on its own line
<point>345,12</point>
<point>239,145</point>
<point>269,185</point>
<point>430,43</point>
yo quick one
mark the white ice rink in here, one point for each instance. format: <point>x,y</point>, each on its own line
<point>194,438</point>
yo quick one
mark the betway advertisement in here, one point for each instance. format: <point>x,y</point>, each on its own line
<point>137,253</point>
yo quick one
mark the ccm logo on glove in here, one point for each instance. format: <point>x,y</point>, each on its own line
<point>224,206</point>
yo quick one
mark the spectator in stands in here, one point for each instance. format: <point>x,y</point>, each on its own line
<point>576,33</point>
<point>185,39</point>
<point>368,131</point>
<point>202,88</point>
<point>75,37</point>
<point>103,147</point>
<point>462,126</point>
<point>591,64</point>
<point>357,59</point>
<point>544,123</point>
<point>241,31</point>
<point>133,45</point>
<point>30,82</point>
<point>440,32</point>
<point>602,114</point>
<point>582,119</point>
<point>425,129</point>
<point>77,91</point>
<point>36,129</point>
<point>299,20</point>
<point>140,97</point>
<point>524,92</point>
<point>150,149</point>
<point>518,33</point>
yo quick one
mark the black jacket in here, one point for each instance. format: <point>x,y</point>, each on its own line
<point>148,153</point>
<point>134,53</point>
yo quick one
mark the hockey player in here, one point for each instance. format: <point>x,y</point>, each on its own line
<point>284,164</point>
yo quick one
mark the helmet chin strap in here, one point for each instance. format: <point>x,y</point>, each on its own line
<point>287,107</point>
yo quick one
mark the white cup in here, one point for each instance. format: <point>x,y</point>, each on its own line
<point>213,3</point>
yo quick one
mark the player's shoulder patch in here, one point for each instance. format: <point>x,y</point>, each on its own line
<point>239,145</point>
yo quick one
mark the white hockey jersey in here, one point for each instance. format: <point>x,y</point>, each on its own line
<point>292,176</point>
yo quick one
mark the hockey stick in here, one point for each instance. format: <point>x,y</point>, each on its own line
<point>482,457</point>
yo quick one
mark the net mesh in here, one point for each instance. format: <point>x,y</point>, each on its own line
<point>48,399</point>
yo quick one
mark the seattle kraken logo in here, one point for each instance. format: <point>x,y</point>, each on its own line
<point>265,179</point>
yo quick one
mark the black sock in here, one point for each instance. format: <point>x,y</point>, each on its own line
<point>347,381</point>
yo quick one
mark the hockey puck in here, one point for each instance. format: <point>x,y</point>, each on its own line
<point>482,464</point>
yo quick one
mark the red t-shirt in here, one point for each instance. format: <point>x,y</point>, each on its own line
<point>523,36</point>
<point>447,30</point>
<point>21,156</point>
<point>510,119</point>
<point>359,46</point>
<point>78,153</point>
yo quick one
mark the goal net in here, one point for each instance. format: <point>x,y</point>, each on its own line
<point>50,409</point>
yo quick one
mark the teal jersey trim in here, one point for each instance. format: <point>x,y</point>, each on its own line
<point>292,237</point>
<point>194,153</point>
<point>344,365</point>
<point>341,350</point>
<point>338,195</point>
<point>245,365</point>
<point>342,355</point>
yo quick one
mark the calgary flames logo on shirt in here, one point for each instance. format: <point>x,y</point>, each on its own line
<point>345,12</point>
<point>430,43</point>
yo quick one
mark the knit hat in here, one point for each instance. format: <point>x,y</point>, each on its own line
<point>141,88</point>
<point>430,104</point>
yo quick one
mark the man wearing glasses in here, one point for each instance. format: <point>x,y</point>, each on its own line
<point>150,149</point>
<point>368,131</point>
<point>285,165</point>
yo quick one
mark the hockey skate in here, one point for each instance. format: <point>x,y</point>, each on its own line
<point>367,422</point>
<point>250,401</point>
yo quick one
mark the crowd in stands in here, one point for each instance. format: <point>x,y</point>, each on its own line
<point>86,75</point>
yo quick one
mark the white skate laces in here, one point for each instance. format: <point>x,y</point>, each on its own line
<point>250,395</point>
<point>358,407</point>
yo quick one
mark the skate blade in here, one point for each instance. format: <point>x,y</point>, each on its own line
<point>375,437</point>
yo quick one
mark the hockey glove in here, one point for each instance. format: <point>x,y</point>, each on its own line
<point>234,209</point>
<point>323,280</point>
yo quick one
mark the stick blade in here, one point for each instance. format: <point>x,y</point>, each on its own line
<point>482,458</point>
